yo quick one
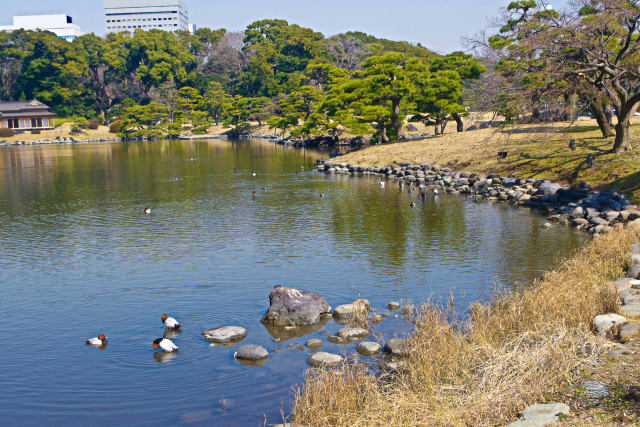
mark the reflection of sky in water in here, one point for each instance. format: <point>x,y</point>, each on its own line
<point>78,257</point>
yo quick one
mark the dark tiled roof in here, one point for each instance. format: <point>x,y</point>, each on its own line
<point>24,108</point>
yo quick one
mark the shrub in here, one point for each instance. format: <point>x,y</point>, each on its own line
<point>6,133</point>
<point>59,121</point>
<point>94,123</point>
<point>115,127</point>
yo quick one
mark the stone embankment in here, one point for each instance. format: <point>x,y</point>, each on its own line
<point>581,206</point>
<point>59,140</point>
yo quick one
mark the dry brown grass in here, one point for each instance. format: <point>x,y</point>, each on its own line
<point>517,350</point>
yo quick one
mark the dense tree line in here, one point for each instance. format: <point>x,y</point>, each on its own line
<point>291,77</point>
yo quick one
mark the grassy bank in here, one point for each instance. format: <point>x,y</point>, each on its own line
<point>520,349</point>
<point>534,151</point>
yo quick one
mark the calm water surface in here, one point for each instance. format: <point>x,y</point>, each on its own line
<point>78,257</point>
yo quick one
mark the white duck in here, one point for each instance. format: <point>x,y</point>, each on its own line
<point>99,341</point>
<point>147,210</point>
<point>170,322</point>
<point>165,345</point>
<point>381,184</point>
<point>435,191</point>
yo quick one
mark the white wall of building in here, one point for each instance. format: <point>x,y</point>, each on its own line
<point>60,25</point>
<point>131,15</point>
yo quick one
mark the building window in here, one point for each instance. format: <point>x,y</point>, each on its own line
<point>13,123</point>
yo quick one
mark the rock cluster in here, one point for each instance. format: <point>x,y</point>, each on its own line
<point>579,205</point>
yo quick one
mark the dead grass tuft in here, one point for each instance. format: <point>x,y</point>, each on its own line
<point>516,350</point>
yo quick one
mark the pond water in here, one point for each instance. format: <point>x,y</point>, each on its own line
<point>78,257</point>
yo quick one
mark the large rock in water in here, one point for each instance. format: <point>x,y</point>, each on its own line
<point>251,352</point>
<point>292,307</point>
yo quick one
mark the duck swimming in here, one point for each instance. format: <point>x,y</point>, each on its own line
<point>381,184</point>
<point>165,345</point>
<point>170,322</point>
<point>147,210</point>
<point>98,341</point>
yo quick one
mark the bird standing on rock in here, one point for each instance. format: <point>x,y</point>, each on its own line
<point>170,322</point>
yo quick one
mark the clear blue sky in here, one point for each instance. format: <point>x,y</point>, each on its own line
<point>437,24</point>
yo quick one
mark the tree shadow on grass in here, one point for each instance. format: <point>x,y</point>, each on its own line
<point>550,129</point>
<point>627,184</point>
<point>554,165</point>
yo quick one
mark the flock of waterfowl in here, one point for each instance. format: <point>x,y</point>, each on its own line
<point>164,344</point>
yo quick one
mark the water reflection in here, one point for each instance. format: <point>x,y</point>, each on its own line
<point>73,233</point>
<point>163,357</point>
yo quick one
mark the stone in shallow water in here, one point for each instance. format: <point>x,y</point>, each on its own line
<point>396,347</point>
<point>393,305</point>
<point>351,334</point>
<point>595,389</point>
<point>225,334</point>
<point>348,312</point>
<point>322,359</point>
<point>368,348</point>
<point>251,352</point>
<point>293,307</point>
<point>314,343</point>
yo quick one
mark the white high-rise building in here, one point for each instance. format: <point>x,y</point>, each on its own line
<point>131,15</point>
<point>60,25</point>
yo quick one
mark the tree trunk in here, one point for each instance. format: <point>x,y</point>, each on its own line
<point>623,136</point>
<point>443,124</point>
<point>395,117</point>
<point>459,123</point>
<point>570,107</point>
<point>383,135</point>
<point>437,127</point>
<point>623,127</point>
<point>601,118</point>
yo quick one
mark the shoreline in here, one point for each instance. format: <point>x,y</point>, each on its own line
<point>69,140</point>
<point>529,341</point>
<point>588,209</point>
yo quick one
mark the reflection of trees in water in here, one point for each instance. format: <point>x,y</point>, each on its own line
<point>372,217</point>
<point>64,178</point>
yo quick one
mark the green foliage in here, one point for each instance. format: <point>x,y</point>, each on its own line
<point>152,83</point>
<point>79,124</point>
<point>148,121</point>
<point>115,127</point>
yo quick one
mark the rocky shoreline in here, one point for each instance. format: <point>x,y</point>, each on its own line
<point>579,205</point>
<point>58,140</point>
